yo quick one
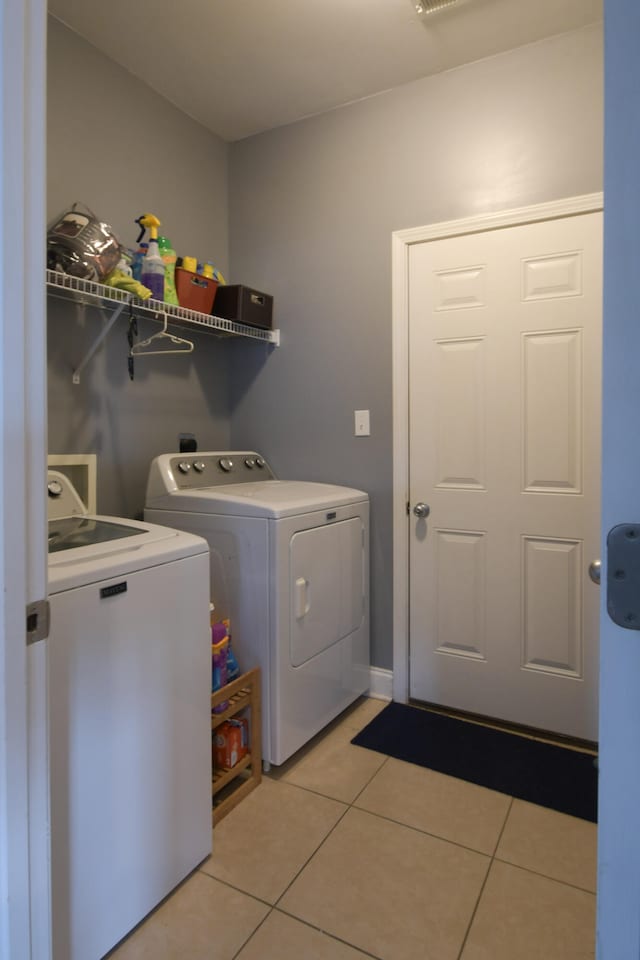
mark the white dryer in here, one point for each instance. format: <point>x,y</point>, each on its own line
<point>129,719</point>
<point>290,568</point>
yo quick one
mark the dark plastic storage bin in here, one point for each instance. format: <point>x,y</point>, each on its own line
<point>236,302</point>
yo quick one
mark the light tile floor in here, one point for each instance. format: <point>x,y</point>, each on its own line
<point>343,854</point>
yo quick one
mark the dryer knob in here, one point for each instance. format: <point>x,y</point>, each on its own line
<point>250,462</point>
<point>226,464</point>
<point>260,462</point>
<point>184,467</point>
<point>199,465</point>
<point>55,488</point>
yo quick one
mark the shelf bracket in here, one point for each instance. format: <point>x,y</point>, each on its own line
<point>96,343</point>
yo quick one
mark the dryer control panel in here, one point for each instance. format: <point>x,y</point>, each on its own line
<point>215,468</point>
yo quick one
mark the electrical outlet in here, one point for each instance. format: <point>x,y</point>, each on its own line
<point>362,425</point>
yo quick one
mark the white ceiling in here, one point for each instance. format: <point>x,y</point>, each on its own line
<point>244,66</point>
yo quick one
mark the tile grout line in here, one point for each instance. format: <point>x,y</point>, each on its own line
<point>312,855</point>
<point>545,876</point>
<point>536,873</point>
<point>251,935</point>
<point>326,796</point>
<point>484,883</point>
<point>274,906</point>
<point>372,777</point>
<point>475,910</point>
<point>502,829</point>
<point>437,836</point>
<point>231,886</point>
<point>353,805</point>
<point>424,833</point>
<point>492,857</point>
<point>332,936</point>
<point>348,807</point>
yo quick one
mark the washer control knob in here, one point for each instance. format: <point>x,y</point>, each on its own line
<point>260,462</point>
<point>55,488</point>
<point>250,463</point>
<point>198,466</point>
<point>226,464</point>
<point>184,467</point>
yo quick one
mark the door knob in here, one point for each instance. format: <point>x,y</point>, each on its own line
<point>594,571</point>
<point>422,510</point>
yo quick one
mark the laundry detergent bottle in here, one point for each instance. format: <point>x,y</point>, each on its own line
<point>153,268</point>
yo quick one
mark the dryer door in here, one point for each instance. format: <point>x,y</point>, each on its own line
<point>327,569</point>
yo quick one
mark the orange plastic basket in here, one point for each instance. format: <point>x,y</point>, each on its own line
<point>195,292</point>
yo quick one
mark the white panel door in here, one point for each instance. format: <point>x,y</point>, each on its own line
<point>504,377</point>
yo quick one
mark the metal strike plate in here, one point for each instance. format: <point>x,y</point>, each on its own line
<point>38,621</point>
<point>623,575</point>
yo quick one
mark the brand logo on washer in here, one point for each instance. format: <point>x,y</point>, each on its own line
<point>114,589</point>
<point>332,515</point>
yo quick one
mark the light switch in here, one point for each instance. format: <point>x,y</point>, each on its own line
<point>363,428</point>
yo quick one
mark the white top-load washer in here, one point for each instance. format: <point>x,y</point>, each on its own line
<point>290,568</point>
<point>129,660</point>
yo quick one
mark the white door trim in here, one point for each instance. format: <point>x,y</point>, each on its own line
<point>24,833</point>
<point>401,242</point>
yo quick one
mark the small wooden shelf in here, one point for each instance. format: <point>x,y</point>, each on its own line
<point>230,785</point>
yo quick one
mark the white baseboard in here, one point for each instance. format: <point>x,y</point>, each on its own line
<point>380,683</point>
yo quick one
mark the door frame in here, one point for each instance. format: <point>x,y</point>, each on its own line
<point>24,786</point>
<point>401,243</point>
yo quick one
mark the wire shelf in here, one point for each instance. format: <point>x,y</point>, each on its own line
<point>97,294</point>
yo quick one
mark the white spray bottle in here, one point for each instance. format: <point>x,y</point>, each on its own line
<point>152,275</point>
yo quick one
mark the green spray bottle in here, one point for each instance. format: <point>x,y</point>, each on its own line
<point>169,257</point>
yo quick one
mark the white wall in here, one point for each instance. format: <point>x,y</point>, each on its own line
<point>312,208</point>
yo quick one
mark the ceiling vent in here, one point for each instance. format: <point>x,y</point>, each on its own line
<point>432,6</point>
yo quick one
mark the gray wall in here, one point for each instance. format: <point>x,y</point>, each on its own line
<point>312,209</point>
<point>119,147</point>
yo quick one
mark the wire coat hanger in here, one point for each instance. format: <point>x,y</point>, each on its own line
<point>139,349</point>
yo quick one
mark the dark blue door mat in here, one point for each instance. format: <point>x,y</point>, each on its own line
<point>551,776</point>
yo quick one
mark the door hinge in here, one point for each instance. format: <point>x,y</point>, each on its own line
<point>623,575</point>
<point>38,618</point>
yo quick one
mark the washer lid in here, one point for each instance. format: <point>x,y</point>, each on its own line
<point>66,533</point>
<point>86,549</point>
<point>266,498</point>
